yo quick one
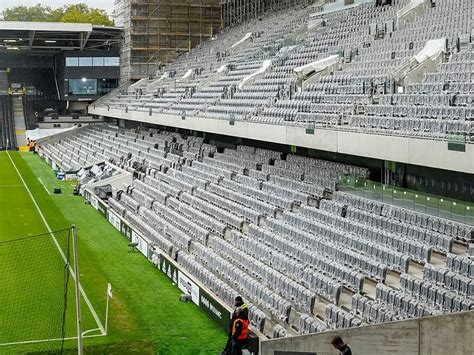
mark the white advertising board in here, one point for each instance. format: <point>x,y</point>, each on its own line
<point>187,286</point>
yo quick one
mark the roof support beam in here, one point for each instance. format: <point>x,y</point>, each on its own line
<point>84,38</point>
<point>31,38</point>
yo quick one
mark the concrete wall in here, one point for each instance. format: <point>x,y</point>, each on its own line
<point>450,334</point>
<point>61,134</point>
<point>423,152</point>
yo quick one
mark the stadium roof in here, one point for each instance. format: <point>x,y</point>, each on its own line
<point>57,36</point>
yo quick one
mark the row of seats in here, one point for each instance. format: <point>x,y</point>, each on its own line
<point>372,46</point>
<point>246,231</point>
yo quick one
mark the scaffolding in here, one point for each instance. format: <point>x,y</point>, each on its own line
<point>234,12</point>
<point>157,31</point>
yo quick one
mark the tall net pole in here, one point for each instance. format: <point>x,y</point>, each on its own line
<point>78,292</point>
<point>34,297</point>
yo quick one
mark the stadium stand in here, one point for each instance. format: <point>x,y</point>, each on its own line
<point>370,69</point>
<point>273,228</point>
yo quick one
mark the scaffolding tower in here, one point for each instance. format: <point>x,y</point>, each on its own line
<point>157,31</point>
<point>234,12</point>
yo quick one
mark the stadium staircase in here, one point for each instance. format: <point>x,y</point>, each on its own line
<point>7,125</point>
<point>3,83</point>
<point>19,119</point>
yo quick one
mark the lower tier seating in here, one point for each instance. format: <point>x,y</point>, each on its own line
<point>261,224</point>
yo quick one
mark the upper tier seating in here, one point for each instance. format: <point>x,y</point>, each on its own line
<point>360,95</point>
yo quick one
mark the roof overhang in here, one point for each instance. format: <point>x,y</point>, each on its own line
<point>57,36</point>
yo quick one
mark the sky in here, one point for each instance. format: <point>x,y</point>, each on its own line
<point>107,5</point>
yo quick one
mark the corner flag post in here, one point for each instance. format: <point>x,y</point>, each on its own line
<point>78,294</point>
<point>109,296</point>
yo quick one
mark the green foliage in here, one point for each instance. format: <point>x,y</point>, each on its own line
<point>81,13</point>
<point>75,13</point>
<point>24,13</point>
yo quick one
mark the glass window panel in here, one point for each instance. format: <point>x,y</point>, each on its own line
<point>387,194</point>
<point>111,61</point>
<point>445,208</point>
<point>82,87</point>
<point>420,203</point>
<point>72,61</point>
<point>432,205</point>
<point>85,61</point>
<point>469,214</point>
<point>378,191</point>
<point>397,197</point>
<point>97,61</point>
<point>409,199</point>
<point>106,85</point>
<point>459,211</point>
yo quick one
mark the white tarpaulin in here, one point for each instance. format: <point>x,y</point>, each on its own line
<point>222,68</point>
<point>242,40</point>
<point>187,74</point>
<point>165,75</point>
<point>39,133</point>
<point>411,6</point>
<point>315,67</point>
<point>138,83</point>
<point>432,49</point>
<point>265,66</point>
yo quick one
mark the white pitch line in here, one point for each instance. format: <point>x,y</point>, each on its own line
<point>86,299</point>
<point>47,340</point>
<point>42,183</point>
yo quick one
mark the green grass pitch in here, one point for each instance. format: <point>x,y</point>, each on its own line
<point>146,316</point>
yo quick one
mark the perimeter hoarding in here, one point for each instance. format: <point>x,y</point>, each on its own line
<point>181,278</point>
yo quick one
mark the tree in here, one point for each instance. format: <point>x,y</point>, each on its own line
<point>82,13</point>
<point>24,13</point>
<point>77,13</point>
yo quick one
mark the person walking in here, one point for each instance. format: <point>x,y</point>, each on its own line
<point>240,332</point>
<point>339,344</point>
<point>238,303</point>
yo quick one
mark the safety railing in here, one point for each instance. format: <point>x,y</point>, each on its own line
<point>456,210</point>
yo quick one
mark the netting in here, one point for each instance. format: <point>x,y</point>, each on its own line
<point>37,310</point>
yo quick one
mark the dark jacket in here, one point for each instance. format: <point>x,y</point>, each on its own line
<point>345,350</point>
